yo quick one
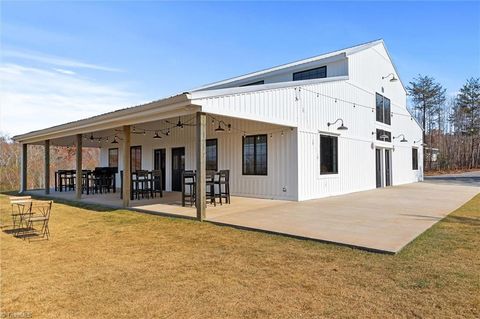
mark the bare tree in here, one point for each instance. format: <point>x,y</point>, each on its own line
<point>60,158</point>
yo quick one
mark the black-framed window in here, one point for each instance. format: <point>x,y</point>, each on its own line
<point>255,155</point>
<point>113,157</point>
<point>316,73</point>
<point>254,83</point>
<point>414,158</point>
<point>135,158</point>
<point>212,155</point>
<point>382,106</point>
<point>384,136</point>
<point>328,154</point>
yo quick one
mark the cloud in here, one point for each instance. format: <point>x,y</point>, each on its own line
<point>55,60</point>
<point>33,98</point>
<point>63,71</point>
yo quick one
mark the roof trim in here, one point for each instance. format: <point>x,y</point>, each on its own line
<point>261,87</point>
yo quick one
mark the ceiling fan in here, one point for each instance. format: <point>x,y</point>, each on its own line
<point>179,124</point>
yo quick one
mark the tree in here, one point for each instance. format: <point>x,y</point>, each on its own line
<point>467,108</point>
<point>466,118</point>
<point>428,98</point>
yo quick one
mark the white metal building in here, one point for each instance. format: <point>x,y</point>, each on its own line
<point>271,129</point>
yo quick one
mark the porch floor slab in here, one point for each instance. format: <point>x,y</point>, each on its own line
<point>382,220</point>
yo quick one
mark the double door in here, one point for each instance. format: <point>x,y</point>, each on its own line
<point>383,167</point>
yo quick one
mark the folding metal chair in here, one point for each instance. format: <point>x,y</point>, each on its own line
<point>21,207</point>
<point>40,214</point>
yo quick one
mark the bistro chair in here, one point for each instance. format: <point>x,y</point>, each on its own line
<point>156,183</point>
<point>40,215</point>
<point>21,208</point>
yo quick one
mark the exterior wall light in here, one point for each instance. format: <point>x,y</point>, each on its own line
<point>421,144</point>
<point>393,79</point>
<point>403,140</point>
<point>341,127</point>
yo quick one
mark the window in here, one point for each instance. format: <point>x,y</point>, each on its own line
<point>211,153</point>
<point>254,83</point>
<point>113,157</point>
<point>135,158</point>
<point>328,154</point>
<point>316,73</point>
<point>384,136</point>
<point>255,155</point>
<point>382,105</point>
<point>414,158</point>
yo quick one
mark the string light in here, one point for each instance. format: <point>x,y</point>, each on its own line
<point>167,130</point>
<point>355,104</point>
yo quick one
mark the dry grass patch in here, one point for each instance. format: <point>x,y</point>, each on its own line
<point>119,264</point>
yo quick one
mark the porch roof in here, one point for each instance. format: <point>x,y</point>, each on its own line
<point>172,106</point>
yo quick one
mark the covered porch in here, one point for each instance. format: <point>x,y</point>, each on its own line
<point>173,136</point>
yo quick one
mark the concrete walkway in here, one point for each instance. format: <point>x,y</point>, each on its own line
<point>383,220</point>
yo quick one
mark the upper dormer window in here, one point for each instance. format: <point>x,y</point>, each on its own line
<point>316,73</point>
<point>382,108</point>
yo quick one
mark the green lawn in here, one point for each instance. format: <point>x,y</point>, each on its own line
<point>117,264</point>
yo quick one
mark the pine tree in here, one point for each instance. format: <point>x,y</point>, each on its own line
<point>428,98</point>
<point>467,108</point>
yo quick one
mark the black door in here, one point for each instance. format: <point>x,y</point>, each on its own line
<point>159,163</point>
<point>178,165</point>
<point>378,166</point>
<point>388,181</point>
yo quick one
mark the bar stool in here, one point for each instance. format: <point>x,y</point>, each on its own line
<point>210,187</point>
<point>188,187</point>
<point>224,185</point>
<point>156,183</point>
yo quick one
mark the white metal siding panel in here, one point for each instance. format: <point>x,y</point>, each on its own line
<point>282,171</point>
<point>272,106</point>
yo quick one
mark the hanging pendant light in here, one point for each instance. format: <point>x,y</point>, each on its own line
<point>219,128</point>
<point>156,135</point>
<point>115,140</point>
<point>91,137</point>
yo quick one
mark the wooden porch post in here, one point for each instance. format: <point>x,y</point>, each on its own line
<point>201,165</point>
<point>23,169</point>
<point>126,166</point>
<point>78,175</point>
<point>47,167</point>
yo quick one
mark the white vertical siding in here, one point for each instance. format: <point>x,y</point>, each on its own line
<point>282,173</point>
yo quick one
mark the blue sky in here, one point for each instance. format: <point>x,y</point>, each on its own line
<point>63,61</point>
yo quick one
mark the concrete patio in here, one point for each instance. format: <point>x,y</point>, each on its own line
<point>382,220</point>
